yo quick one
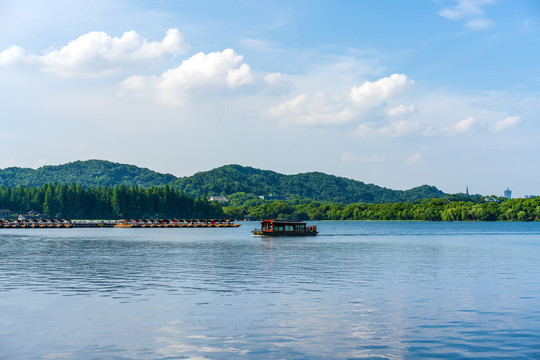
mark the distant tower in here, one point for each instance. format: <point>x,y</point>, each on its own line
<point>508,193</point>
<point>467,191</point>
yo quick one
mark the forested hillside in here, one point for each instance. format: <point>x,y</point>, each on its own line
<point>225,180</point>
<point>232,179</point>
<point>88,173</point>
<point>98,189</point>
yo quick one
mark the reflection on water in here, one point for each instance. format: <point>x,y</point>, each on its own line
<point>361,289</point>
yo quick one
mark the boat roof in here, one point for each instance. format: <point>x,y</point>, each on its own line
<point>284,222</point>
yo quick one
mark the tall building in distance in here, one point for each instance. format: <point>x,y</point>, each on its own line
<point>508,193</point>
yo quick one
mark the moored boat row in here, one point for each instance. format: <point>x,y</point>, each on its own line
<point>134,223</point>
<point>176,223</point>
<point>31,224</point>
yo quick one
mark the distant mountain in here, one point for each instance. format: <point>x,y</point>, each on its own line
<point>88,173</point>
<point>232,179</point>
<point>225,180</point>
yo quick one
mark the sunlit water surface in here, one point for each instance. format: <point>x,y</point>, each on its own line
<point>379,290</point>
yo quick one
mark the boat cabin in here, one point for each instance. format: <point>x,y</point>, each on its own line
<point>285,228</point>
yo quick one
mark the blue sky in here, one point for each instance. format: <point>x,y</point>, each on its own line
<point>395,93</point>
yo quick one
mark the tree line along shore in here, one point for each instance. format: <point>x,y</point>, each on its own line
<point>424,210</point>
<point>131,202</point>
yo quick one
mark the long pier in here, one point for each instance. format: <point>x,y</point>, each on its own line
<point>133,223</point>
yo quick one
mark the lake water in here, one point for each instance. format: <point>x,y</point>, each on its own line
<point>375,290</point>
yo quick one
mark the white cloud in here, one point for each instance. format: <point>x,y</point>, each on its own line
<point>471,12</point>
<point>314,109</point>
<point>415,158</point>
<point>400,128</point>
<point>461,127</point>
<point>276,84</point>
<point>506,123</point>
<point>464,9</point>
<point>290,107</point>
<point>218,68</point>
<point>365,129</point>
<point>371,158</point>
<point>12,55</point>
<point>393,129</point>
<point>274,78</point>
<point>319,108</point>
<point>375,93</point>
<point>478,24</point>
<point>258,45</point>
<point>402,110</point>
<point>213,72</point>
<point>347,157</point>
<point>97,53</point>
<point>437,114</point>
<point>239,77</point>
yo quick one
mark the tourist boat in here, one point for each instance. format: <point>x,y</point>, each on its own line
<point>285,228</point>
<point>125,224</point>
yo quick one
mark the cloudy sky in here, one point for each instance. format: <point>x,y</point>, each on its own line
<point>395,93</point>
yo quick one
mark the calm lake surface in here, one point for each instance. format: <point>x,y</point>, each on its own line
<point>376,290</point>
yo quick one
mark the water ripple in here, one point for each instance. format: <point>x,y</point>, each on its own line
<point>360,290</point>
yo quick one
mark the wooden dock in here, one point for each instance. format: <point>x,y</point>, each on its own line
<point>133,223</point>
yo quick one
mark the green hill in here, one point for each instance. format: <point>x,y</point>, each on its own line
<point>232,179</point>
<point>225,180</point>
<point>90,173</point>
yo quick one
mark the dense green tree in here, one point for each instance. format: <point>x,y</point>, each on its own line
<point>432,210</point>
<point>50,204</point>
<point>76,202</point>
